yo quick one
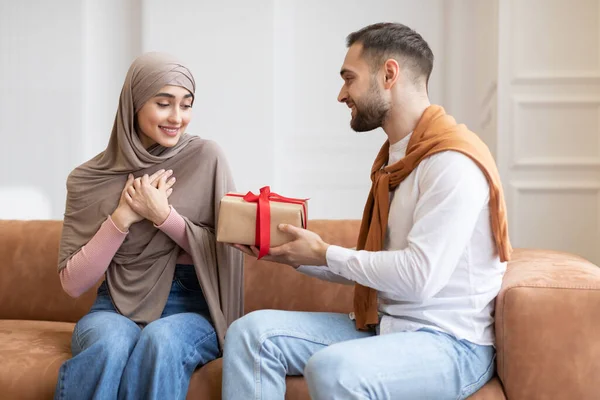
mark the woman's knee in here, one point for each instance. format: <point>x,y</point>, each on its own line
<point>157,335</point>
<point>110,334</point>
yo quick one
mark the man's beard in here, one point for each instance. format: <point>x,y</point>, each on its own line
<point>371,111</point>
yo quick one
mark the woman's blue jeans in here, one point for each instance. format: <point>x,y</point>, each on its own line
<point>114,358</point>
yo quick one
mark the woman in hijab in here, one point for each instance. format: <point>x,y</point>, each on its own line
<point>142,214</point>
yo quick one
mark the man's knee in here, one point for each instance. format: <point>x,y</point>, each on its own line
<point>251,327</point>
<point>330,372</point>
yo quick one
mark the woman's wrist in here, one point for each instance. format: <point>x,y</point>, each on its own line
<point>162,216</point>
<point>120,221</point>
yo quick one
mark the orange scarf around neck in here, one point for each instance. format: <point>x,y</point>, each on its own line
<point>435,132</point>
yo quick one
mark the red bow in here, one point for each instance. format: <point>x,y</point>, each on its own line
<point>263,215</point>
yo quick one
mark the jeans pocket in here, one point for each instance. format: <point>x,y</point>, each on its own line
<point>189,285</point>
<point>186,279</point>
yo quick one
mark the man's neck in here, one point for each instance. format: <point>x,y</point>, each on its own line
<point>403,119</point>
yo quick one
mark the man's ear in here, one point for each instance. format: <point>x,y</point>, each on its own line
<point>391,70</point>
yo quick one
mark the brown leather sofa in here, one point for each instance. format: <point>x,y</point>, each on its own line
<point>547,326</point>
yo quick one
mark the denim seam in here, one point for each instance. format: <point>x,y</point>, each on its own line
<point>478,381</point>
<point>194,350</point>
<point>61,380</point>
<point>76,335</point>
<point>268,335</point>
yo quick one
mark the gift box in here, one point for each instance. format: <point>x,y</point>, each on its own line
<point>253,219</point>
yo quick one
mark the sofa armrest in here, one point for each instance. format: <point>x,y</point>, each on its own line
<point>548,327</point>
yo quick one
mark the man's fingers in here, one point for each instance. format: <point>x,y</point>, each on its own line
<point>291,229</point>
<point>255,251</point>
<point>130,191</point>
<point>244,249</point>
<point>278,251</point>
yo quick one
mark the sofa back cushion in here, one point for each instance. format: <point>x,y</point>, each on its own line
<point>30,287</point>
<point>270,285</point>
<point>29,284</point>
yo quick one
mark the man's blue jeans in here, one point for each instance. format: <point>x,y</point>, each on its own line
<point>113,358</point>
<point>340,362</point>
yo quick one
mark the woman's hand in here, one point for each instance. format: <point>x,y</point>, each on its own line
<point>124,216</point>
<point>150,200</point>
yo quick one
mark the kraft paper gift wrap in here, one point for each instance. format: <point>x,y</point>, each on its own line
<point>243,218</point>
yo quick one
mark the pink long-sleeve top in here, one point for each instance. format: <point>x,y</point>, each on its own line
<point>88,265</point>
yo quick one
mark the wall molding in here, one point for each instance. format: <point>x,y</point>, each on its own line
<point>517,161</point>
<point>517,188</point>
<point>520,75</point>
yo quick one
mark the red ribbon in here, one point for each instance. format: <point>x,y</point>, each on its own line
<point>263,215</point>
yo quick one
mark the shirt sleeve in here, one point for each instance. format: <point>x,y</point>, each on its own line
<point>88,265</point>
<point>453,192</point>
<point>174,227</point>
<point>324,273</point>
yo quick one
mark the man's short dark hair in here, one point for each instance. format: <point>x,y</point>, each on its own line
<point>387,40</point>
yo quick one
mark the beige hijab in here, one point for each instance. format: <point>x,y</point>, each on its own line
<point>140,275</point>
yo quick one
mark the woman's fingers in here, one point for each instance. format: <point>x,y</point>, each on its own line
<point>166,174</point>
<point>156,175</point>
<point>128,199</point>
<point>162,182</point>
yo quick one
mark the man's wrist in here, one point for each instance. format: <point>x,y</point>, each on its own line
<point>322,253</point>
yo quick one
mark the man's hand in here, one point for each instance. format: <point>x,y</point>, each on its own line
<point>307,248</point>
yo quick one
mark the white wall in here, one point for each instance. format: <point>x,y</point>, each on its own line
<point>267,77</point>
<point>549,123</point>
<point>471,65</point>
<point>40,101</point>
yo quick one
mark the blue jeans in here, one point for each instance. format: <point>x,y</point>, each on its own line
<point>114,358</point>
<point>340,362</point>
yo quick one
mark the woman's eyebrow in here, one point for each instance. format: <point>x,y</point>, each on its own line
<point>169,95</point>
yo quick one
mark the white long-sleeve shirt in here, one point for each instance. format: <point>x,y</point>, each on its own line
<point>440,267</point>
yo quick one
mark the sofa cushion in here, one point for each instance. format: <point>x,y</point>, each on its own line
<point>30,287</point>
<point>31,353</point>
<point>206,384</point>
<point>274,286</point>
<point>490,391</point>
<point>547,327</point>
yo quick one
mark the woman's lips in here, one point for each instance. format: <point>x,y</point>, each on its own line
<point>169,131</point>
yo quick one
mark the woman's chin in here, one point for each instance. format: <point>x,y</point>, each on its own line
<point>169,142</point>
